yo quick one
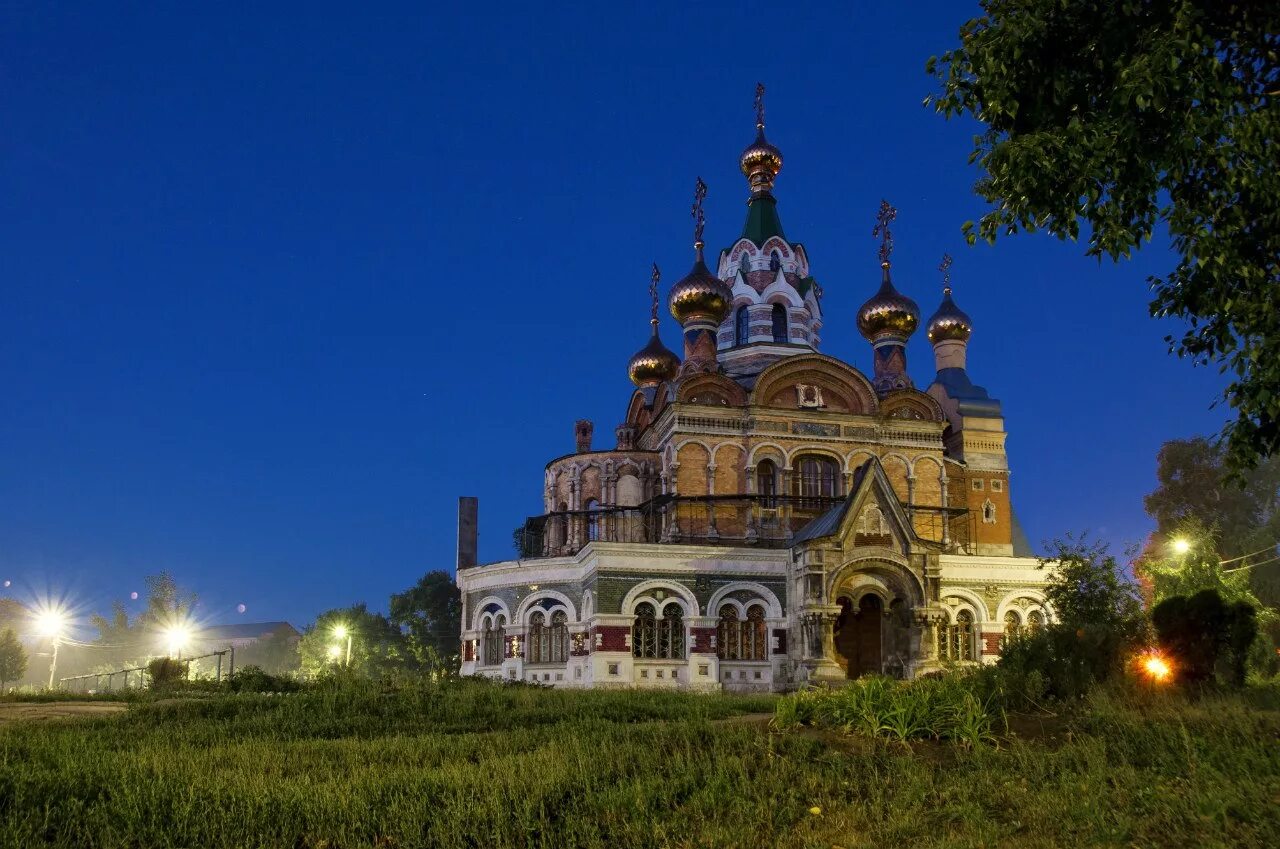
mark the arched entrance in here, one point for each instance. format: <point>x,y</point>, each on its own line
<point>859,635</point>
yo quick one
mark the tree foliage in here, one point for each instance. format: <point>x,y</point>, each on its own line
<point>430,612</point>
<point>1236,520</point>
<point>1122,116</point>
<point>378,647</point>
<point>13,658</point>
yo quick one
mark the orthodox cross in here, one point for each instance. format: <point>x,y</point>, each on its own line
<point>759,106</point>
<point>945,268</point>
<point>699,217</point>
<point>884,218</point>
<point>653,294</point>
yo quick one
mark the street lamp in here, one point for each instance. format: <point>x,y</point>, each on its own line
<point>1181,545</point>
<point>342,633</point>
<point>175,638</point>
<point>51,622</point>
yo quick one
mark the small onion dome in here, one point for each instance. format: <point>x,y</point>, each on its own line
<point>653,363</point>
<point>762,159</point>
<point>888,312</point>
<point>700,294</point>
<point>949,322</point>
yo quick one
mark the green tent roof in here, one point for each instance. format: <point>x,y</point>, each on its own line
<point>763,222</point>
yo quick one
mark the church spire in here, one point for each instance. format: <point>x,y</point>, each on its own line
<point>760,164</point>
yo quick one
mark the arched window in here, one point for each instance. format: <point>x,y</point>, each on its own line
<point>593,519</point>
<point>817,479</point>
<point>727,643</point>
<point>955,640</point>
<point>1035,621</point>
<point>492,640</point>
<point>742,326</point>
<point>537,640</point>
<point>744,264</point>
<point>671,633</point>
<point>779,323</point>
<point>767,483</point>
<point>1012,627</point>
<point>644,631</point>
<point>775,262</point>
<point>559,633</point>
<point>754,634</point>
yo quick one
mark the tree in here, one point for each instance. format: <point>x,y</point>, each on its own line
<point>14,614</point>
<point>378,647</point>
<point>126,641</point>
<point>1123,115</point>
<point>1087,589</point>
<point>1238,521</point>
<point>13,658</point>
<point>431,614</point>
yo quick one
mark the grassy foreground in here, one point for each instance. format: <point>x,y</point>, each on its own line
<point>472,765</point>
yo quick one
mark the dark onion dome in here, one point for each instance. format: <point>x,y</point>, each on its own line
<point>700,294</point>
<point>653,364</point>
<point>888,312</point>
<point>761,162</point>
<point>949,322</point>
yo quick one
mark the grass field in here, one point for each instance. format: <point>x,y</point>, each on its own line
<point>467,764</point>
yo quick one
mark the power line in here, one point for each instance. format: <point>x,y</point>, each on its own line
<point>1270,548</point>
<point>1251,565</point>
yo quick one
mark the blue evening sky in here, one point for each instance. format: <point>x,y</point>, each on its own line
<point>277,285</point>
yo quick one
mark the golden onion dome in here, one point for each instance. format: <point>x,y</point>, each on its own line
<point>761,162</point>
<point>888,312</point>
<point>700,294</point>
<point>653,363</point>
<point>949,322</point>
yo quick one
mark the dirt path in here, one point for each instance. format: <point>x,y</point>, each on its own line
<point>15,711</point>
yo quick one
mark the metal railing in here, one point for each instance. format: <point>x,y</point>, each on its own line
<point>82,681</point>
<point>766,521</point>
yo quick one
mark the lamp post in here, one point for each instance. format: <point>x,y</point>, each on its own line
<point>51,623</point>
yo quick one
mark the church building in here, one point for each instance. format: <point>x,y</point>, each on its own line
<point>768,516</point>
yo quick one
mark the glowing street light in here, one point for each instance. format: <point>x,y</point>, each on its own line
<point>342,632</point>
<point>176,637</point>
<point>335,652</point>
<point>1181,545</point>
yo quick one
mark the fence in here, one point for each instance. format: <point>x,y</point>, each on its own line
<point>82,681</point>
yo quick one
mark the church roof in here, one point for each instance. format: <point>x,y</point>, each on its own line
<point>973,399</point>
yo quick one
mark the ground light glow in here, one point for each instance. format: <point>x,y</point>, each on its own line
<point>335,652</point>
<point>1157,668</point>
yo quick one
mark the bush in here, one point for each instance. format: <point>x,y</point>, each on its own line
<point>1207,637</point>
<point>1061,663</point>
<point>254,679</point>
<point>165,671</point>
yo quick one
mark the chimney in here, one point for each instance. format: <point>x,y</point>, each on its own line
<point>468,530</point>
<point>626,434</point>
<point>582,429</point>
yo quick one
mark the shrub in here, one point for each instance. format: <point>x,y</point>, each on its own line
<point>165,671</point>
<point>1206,636</point>
<point>254,679</point>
